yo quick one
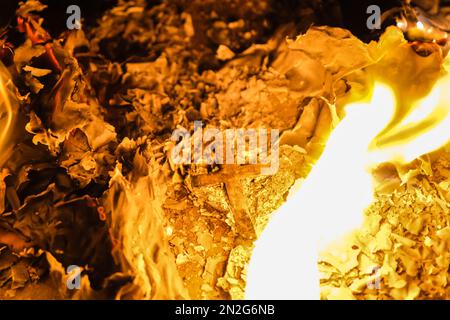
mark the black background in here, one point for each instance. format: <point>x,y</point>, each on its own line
<point>353,11</point>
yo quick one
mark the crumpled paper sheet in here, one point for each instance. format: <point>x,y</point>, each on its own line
<point>404,243</point>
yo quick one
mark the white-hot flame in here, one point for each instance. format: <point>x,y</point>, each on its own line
<point>331,201</point>
<point>328,205</point>
<point>425,129</point>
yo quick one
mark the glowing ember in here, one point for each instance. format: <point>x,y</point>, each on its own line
<point>419,25</point>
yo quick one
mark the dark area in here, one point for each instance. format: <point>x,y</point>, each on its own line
<point>55,15</point>
<point>353,12</point>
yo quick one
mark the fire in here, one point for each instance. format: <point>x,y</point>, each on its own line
<point>6,111</point>
<point>332,199</point>
<point>424,129</point>
<point>141,247</point>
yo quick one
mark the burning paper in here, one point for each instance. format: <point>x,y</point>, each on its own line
<point>355,134</point>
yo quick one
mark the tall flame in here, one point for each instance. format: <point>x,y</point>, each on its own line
<point>285,255</point>
<point>333,197</point>
<point>6,111</point>
<point>137,229</point>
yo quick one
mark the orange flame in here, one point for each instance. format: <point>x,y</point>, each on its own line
<point>6,111</point>
<point>137,230</point>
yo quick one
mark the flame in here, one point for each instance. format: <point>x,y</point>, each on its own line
<point>316,213</point>
<point>6,111</point>
<point>137,229</point>
<point>425,129</point>
<point>332,199</point>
